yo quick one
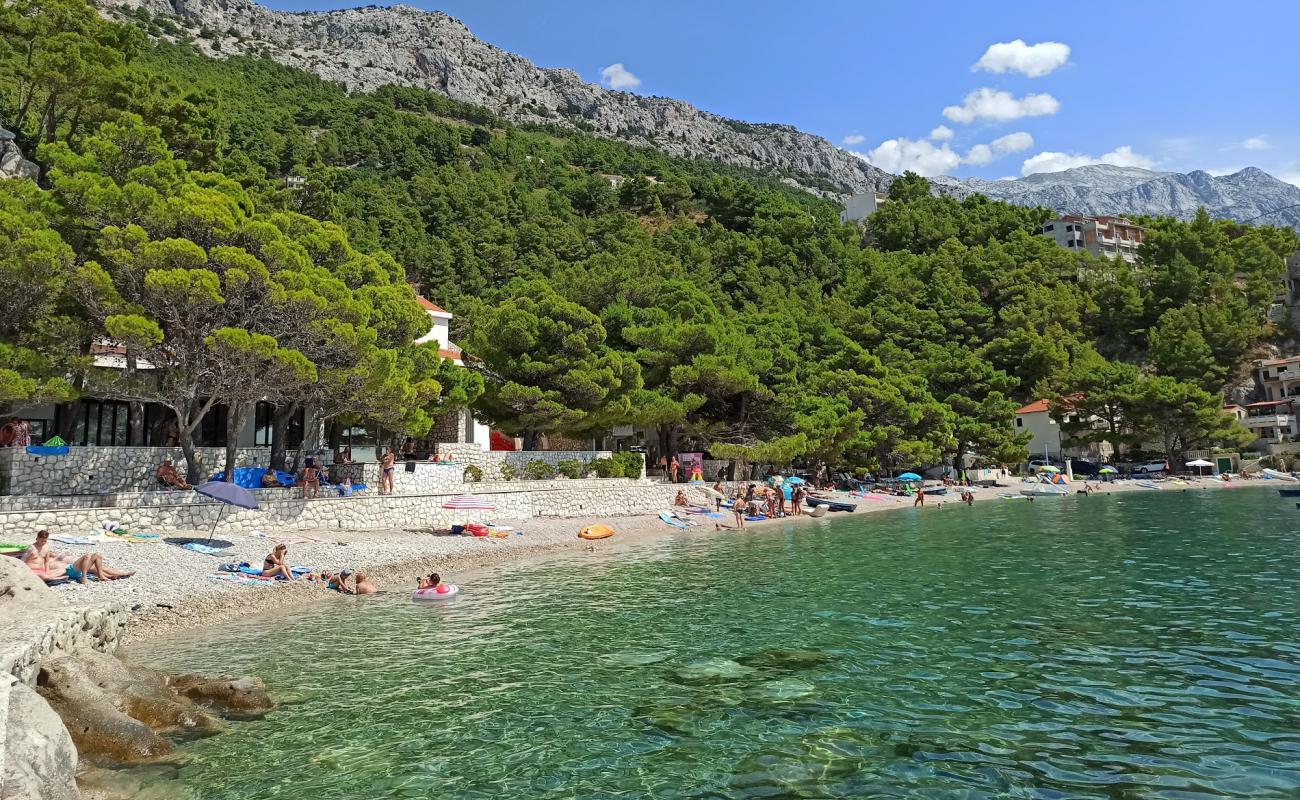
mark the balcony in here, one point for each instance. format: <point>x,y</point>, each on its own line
<point>1284,421</point>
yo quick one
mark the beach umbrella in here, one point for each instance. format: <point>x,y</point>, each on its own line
<point>228,494</point>
<point>1049,468</point>
<point>1199,463</point>
<point>469,501</point>
<point>796,480</point>
<point>909,476</point>
<point>1108,471</point>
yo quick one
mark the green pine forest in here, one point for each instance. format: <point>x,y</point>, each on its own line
<point>719,306</point>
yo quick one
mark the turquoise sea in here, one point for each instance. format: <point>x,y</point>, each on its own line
<point>1124,646</point>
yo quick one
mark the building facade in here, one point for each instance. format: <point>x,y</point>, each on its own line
<point>860,206</point>
<point>1048,442</point>
<point>1101,236</point>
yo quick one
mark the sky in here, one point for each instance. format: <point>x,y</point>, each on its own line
<point>993,89</point>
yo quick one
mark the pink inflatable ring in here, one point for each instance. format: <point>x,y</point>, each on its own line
<point>443,591</point>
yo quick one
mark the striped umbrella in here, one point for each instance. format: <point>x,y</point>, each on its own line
<point>469,501</point>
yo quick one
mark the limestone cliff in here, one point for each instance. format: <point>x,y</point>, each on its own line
<point>365,48</point>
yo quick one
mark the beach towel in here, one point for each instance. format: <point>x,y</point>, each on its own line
<point>669,519</point>
<point>67,538</point>
<point>205,549</point>
<point>754,518</point>
<point>246,580</point>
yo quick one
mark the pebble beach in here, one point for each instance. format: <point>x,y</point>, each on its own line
<point>175,588</point>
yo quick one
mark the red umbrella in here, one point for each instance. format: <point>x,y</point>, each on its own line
<point>469,501</point>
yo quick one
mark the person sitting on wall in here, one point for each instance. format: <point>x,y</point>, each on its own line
<point>681,499</point>
<point>168,476</point>
<point>269,481</point>
<point>343,455</point>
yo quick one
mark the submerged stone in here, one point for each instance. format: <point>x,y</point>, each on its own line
<point>787,658</point>
<point>783,689</point>
<point>713,669</point>
<point>636,659</point>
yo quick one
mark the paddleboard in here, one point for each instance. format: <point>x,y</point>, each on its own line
<point>669,519</point>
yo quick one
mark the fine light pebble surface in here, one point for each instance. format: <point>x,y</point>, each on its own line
<point>172,588</point>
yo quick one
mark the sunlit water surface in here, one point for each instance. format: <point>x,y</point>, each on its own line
<point>1136,646</point>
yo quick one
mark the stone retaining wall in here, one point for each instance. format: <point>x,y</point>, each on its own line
<point>97,470</point>
<point>281,510</point>
<point>490,461</point>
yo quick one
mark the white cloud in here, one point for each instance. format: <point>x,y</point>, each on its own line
<point>1033,60</point>
<point>854,138</point>
<point>617,76</point>
<point>926,158</point>
<point>1256,143</point>
<point>922,157</point>
<point>1055,162</point>
<point>982,154</point>
<point>1001,106</point>
<point>941,133</point>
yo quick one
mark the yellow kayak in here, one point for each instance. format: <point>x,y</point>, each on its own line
<point>596,532</point>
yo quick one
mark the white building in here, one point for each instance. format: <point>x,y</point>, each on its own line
<point>1272,421</point>
<point>459,425</point>
<point>1047,440</point>
<point>1101,236</point>
<point>1278,378</point>
<point>860,206</point>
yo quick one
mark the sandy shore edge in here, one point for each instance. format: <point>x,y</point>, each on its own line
<point>173,590</point>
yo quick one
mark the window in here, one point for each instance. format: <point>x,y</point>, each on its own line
<point>1070,243</point>
<point>1020,423</point>
<point>1048,228</point>
<point>264,427</point>
<point>102,423</point>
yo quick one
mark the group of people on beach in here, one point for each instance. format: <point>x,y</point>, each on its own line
<point>50,564</point>
<point>276,565</point>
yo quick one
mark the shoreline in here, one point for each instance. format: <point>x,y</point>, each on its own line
<point>172,591</point>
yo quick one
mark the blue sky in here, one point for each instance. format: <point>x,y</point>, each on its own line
<point>1178,86</point>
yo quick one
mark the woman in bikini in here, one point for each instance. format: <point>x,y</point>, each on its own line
<point>276,565</point>
<point>310,479</point>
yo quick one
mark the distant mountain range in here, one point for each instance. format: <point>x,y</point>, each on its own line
<point>365,48</point>
<point>1248,195</point>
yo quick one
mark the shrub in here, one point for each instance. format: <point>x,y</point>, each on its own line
<point>538,470</point>
<point>630,464</point>
<point>607,468</point>
<point>472,474</point>
<point>572,468</point>
<point>507,472</point>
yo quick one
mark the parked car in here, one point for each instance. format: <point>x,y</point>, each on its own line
<point>1037,464</point>
<point>1150,468</point>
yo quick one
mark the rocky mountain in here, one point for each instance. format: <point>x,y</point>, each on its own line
<point>366,48</point>
<point>1250,194</point>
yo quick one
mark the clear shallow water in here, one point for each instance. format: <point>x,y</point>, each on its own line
<point>1137,646</point>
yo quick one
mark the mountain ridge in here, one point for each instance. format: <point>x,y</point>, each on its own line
<point>365,48</point>
<point>1246,195</point>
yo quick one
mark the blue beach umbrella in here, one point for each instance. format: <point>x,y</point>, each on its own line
<point>909,476</point>
<point>795,481</point>
<point>228,494</point>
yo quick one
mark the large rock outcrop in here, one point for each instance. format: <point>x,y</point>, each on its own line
<point>40,759</point>
<point>12,162</point>
<point>365,48</point>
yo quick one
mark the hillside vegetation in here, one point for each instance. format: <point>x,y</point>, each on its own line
<point>594,283</point>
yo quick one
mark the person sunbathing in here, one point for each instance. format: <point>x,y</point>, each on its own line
<point>45,560</point>
<point>276,565</point>
<point>168,476</point>
<point>681,499</point>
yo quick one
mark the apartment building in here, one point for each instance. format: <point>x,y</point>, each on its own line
<point>1101,236</point>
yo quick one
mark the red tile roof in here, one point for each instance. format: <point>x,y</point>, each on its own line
<point>1035,407</point>
<point>428,306</point>
<point>1271,403</point>
<point>454,355</point>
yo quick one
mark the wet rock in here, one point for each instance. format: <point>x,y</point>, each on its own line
<point>233,697</point>
<point>710,670</point>
<point>143,694</point>
<point>636,659</point>
<point>98,727</point>
<point>40,758</point>
<point>787,658</point>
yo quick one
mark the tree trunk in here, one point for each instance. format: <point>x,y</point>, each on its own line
<point>335,435</point>
<point>280,433</point>
<point>135,419</point>
<point>187,450</point>
<point>236,415</point>
<point>530,439</point>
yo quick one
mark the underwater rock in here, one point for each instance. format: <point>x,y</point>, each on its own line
<point>783,689</point>
<point>143,694</point>
<point>787,658</point>
<point>245,698</point>
<point>636,659</point>
<point>709,670</point>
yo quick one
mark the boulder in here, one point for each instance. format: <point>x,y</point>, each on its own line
<point>12,163</point>
<point>143,694</point>
<point>40,760</point>
<point>231,697</point>
<point>22,594</point>
<point>98,727</point>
